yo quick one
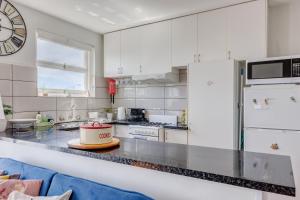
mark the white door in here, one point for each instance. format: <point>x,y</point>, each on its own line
<point>156,48</point>
<point>273,106</point>
<point>213,35</point>
<point>276,142</point>
<point>212,104</point>
<point>131,51</point>
<point>184,40</point>
<point>112,54</point>
<point>248,30</point>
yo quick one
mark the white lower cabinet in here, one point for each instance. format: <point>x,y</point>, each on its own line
<point>276,142</point>
<point>121,131</point>
<point>176,136</point>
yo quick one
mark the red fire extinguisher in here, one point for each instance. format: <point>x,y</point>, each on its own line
<point>112,89</point>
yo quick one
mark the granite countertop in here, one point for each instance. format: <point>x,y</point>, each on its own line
<point>263,172</point>
<point>125,122</point>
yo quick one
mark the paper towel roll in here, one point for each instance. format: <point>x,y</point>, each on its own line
<point>2,116</point>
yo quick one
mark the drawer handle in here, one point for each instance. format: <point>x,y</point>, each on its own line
<point>274,146</point>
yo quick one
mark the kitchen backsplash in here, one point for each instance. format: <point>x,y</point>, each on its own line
<point>18,88</point>
<point>163,99</point>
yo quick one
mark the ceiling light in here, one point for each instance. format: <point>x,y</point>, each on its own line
<point>93,14</point>
<point>108,21</point>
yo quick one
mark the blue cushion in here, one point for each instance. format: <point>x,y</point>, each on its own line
<point>28,172</point>
<point>83,189</point>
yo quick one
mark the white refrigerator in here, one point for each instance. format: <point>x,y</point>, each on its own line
<point>213,108</point>
<point>272,125</point>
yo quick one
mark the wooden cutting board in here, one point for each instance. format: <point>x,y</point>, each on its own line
<point>75,143</point>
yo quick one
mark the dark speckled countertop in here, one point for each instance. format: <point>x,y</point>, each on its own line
<point>263,172</point>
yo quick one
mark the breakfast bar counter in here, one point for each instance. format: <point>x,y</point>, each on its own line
<point>255,171</point>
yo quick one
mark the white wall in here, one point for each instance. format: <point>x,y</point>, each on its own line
<point>284,29</point>
<point>36,20</point>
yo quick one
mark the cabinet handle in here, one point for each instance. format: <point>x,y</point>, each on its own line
<point>166,136</point>
<point>140,68</point>
<point>195,58</point>
<point>199,58</point>
<point>274,146</point>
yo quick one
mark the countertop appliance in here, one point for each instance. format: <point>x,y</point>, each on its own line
<point>153,130</point>
<point>214,100</point>
<point>272,124</point>
<point>121,115</point>
<point>137,115</point>
<point>277,70</point>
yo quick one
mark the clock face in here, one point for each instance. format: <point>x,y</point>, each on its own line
<point>12,29</point>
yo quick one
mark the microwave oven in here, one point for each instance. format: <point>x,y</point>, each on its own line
<point>280,70</point>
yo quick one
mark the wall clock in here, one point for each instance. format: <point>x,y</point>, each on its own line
<point>13,31</point>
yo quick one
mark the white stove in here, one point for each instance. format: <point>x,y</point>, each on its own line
<point>152,130</point>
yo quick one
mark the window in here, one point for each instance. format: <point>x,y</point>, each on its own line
<point>65,67</point>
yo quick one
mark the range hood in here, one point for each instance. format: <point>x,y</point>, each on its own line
<point>171,77</point>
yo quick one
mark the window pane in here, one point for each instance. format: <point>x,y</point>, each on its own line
<point>59,79</point>
<point>60,54</point>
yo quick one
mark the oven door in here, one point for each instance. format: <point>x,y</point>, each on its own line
<point>269,72</point>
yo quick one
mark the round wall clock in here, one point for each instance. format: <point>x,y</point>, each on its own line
<point>13,31</point>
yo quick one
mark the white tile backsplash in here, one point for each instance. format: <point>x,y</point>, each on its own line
<point>26,89</point>
<point>176,92</point>
<point>101,93</point>
<point>21,73</point>
<point>28,104</point>
<point>94,104</point>
<point>127,103</point>
<point>150,92</point>
<point>6,71</point>
<point>175,104</point>
<point>5,88</point>
<point>7,100</point>
<point>72,103</point>
<point>126,93</point>
<point>25,115</point>
<point>152,104</point>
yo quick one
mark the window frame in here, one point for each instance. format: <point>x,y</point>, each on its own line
<point>89,71</point>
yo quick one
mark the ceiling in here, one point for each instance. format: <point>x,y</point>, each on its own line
<point>108,15</point>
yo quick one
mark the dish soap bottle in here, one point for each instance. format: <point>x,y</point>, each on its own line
<point>38,118</point>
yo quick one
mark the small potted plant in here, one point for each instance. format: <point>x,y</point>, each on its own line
<point>7,111</point>
<point>109,114</point>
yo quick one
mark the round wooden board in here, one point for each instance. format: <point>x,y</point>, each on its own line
<point>75,143</point>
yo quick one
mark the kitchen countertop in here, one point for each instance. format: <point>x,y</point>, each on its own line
<point>263,172</point>
<point>125,122</point>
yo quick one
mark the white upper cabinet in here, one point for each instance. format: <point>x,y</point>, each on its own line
<point>131,51</point>
<point>112,54</point>
<point>213,35</point>
<point>184,41</point>
<point>156,48</point>
<point>248,30</point>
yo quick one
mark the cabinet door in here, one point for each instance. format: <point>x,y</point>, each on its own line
<point>248,30</point>
<point>262,141</point>
<point>184,40</point>
<point>122,131</point>
<point>156,48</point>
<point>112,54</point>
<point>176,136</point>
<point>213,35</point>
<point>131,51</point>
